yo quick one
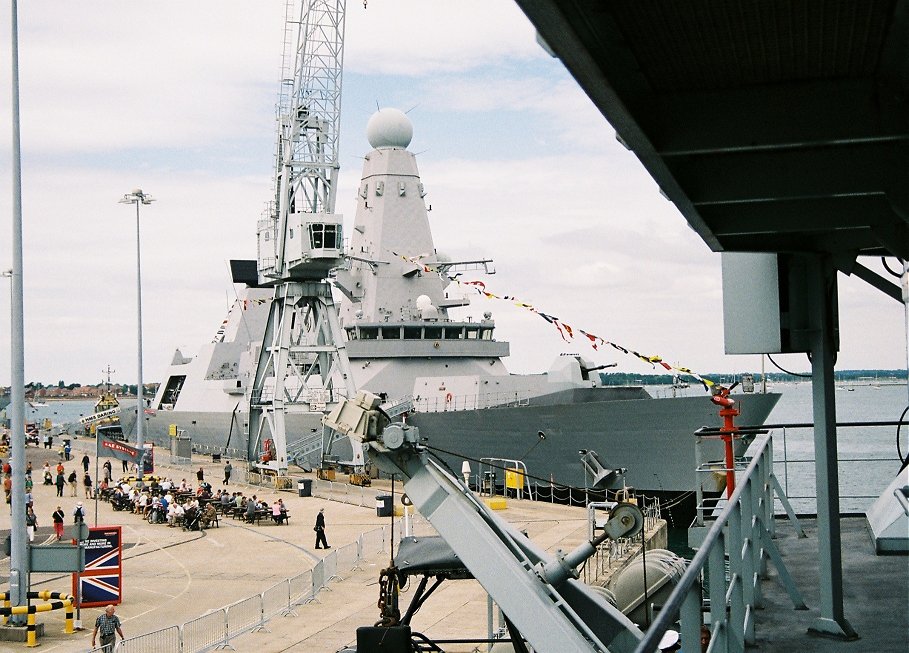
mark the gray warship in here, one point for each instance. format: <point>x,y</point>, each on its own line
<point>445,375</point>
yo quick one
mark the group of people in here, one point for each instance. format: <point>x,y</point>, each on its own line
<point>62,479</point>
<point>161,500</point>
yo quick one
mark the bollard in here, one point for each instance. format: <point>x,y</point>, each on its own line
<point>32,638</point>
<point>68,627</point>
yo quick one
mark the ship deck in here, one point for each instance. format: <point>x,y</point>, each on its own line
<point>875,588</point>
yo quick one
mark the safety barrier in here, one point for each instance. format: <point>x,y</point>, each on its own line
<point>53,601</point>
<point>244,615</point>
<point>206,631</point>
<point>276,598</point>
<point>741,537</point>
<point>216,629</point>
<point>164,639</point>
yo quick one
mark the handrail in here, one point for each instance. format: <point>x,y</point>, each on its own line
<point>686,584</point>
<point>902,495</point>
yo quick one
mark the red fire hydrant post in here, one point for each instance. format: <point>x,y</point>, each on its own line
<point>728,412</point>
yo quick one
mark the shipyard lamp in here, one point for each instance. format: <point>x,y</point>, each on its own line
<point>138,197</point>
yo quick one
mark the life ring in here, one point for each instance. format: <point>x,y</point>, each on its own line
<point>448,398</point>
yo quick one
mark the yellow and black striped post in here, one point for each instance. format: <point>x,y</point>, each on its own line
<point>31,635</point>
<point>54,601</point>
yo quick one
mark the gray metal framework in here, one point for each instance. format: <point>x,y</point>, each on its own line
<point>742,535</point>
<point>539,593</point>
<point>303,350</point>
<point>300,237</point>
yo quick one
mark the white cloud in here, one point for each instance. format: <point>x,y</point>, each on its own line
<point>178,97</point>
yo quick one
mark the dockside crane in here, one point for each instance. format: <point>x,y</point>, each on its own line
<point>302,365</point>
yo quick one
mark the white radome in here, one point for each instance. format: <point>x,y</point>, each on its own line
<point>389,128</point>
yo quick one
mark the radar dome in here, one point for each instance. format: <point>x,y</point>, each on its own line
<point>389,128</point>
<point>423,301</point>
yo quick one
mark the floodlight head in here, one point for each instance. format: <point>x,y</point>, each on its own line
<point>136,196</point>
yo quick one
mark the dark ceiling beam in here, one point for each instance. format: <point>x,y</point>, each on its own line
<point>790,216</point>
<point>752,119</point>
<point>872,278</point>
<point>866,169</point>
<point>847,240</point>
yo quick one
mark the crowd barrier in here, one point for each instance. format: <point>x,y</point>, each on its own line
<point>217,628</point>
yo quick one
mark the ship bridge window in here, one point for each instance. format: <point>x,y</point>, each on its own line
<point>352,333</point>
<point>324,236</point>
<point>472,333</point>
<point>391,333</point>
<point>413,333</point>
<point>369,333</point>
<point>432,333</point>
<point>485,334</point>
<point>453,333</point>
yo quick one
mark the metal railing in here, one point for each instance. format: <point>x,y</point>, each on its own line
<point>741,536</point>
<point>452,402</point>
<point>217,628</point>
<point>865,466</point>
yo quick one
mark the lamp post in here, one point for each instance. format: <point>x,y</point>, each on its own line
<point>18,561</point>
<point>138,198</point>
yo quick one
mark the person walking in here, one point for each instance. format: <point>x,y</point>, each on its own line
<point>200,475</point>
<point>109,626</point>
<point>58,518</point>
<point>227,470</point>
<point>319,528</point>
<point>125,466</point>
<point>60,483</point>
<point>108,474</point>
<point>72,482</point>
<point>87,482</point>
<point>31,523</point>
<point>85,463</point>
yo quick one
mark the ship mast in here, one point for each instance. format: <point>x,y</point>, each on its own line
<point>300,238</point>
<point>108,371</point>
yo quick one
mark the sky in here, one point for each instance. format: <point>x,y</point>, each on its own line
<point>178,99</point>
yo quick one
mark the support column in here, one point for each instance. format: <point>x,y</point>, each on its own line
<point>822,297</point>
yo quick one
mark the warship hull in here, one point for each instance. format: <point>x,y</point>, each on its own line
<point>653,439</point>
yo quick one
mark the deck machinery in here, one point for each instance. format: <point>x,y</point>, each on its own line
<point>543,602</point>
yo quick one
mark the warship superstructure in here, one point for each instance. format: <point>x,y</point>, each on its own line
<point>448,376</point>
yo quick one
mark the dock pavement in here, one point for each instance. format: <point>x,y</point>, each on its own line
<point>171,576</point>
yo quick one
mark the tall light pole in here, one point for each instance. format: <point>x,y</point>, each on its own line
<point>138,198</point>
<point>18,561</point>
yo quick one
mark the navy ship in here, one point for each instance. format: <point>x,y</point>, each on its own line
<point>445,375</point>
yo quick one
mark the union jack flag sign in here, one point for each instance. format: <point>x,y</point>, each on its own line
<point>101,582</point>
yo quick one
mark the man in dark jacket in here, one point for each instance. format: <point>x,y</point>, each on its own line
<point>320,530</point>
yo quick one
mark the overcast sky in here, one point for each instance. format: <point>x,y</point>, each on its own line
<point>178,99</point>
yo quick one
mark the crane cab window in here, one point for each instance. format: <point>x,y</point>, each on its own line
<point>324,236</point>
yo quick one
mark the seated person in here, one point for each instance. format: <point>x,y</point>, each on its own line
<point>208,515</point>
<point>278,511</point>
<point>189,517</point>
<point>174,514</point>
<point>251,507</point>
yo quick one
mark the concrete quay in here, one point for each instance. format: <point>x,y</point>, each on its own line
<point>171,576</point>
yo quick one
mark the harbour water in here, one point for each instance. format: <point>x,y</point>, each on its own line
<point>868,455</point>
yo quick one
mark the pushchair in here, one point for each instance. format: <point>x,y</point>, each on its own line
<point>191,520</point>
<point>121,502</point>
<point>157,514</point>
